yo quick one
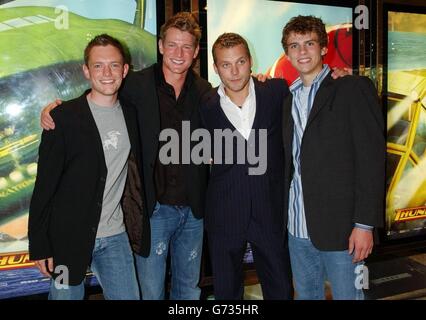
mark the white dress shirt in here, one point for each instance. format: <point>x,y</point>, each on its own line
<point>241,118</point>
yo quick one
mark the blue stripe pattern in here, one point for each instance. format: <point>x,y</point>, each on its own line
<point>300,113</point>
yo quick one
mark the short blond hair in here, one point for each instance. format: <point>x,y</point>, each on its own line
<point>229,40</point>
<point>185,22</point>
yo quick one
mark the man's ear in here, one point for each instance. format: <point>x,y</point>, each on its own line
<point>215,68</point>
<point>160,46</point>
<point>324,51</point>
<point>125,70</point>
<point>86,72</point>
<point>196,51</point>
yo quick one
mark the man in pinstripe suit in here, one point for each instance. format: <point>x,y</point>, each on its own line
<point>244,205</point>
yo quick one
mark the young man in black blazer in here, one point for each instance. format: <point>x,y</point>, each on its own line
<point>333,133</point>
<point>87,191</point>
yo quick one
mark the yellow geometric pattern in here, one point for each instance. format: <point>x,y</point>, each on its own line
<point>406,146</point>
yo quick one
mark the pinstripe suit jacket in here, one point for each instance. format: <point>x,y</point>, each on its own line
<point>234,197</point>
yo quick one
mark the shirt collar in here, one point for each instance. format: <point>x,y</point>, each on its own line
<point>161,81</point>
<point>223,95</point>
<point>297,84</point>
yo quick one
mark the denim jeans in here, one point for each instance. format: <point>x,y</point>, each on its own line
<point>113,266</point>
<point>176,228</point>
<point>311,267</point>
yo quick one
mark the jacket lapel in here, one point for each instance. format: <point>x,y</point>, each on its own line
<point>258,112</point>
<point>88,122</point>
<point>148,110</point>
<point>321,98</point>
<point>217,111</point>
<point>288,124</point>
<point>132,128</point>
<point>192,98</point>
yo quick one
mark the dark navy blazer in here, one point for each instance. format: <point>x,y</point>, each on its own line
<point>233,196</point>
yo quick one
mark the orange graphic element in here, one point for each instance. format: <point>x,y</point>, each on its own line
<point>15,261</point>
<point>410,214</point>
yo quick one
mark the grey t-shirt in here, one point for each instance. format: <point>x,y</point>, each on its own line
<point>116,144</point>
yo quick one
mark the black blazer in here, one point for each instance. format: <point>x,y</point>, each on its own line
<point>342,160</point>
<point>140,89</point>
<point>67,199</point>
<point>233,196</point>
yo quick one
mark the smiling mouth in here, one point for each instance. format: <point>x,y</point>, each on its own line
<point>179,62</point>
<point>107,81</point>
<point>304,60</point>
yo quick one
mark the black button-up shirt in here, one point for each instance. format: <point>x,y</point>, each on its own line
<point>169,179</point>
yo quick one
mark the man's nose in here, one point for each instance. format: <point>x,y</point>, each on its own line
<point>234,70</point>
<point>107,70</point>
<point>179,51</point>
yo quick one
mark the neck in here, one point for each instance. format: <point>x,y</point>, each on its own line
<point>307,79</point>
<point>102,100</point>
<point>238,97</point>
<point>176,80</point>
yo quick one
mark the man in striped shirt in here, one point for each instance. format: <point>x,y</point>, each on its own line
<point>334,145</point>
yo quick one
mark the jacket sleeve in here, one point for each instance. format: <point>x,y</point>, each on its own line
<point>49,171</point>
<point>284,89</point>
<point>367,126</point>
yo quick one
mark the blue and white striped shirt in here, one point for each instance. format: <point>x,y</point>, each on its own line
<point>303,99</point>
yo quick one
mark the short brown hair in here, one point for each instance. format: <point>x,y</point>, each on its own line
<point>185,22</point>
<point>304,25</point>
<point>229,40</point>
<point>104,40</point>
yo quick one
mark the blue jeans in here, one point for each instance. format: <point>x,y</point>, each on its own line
<point>113,266</point>
<point>174,227</point>
<point>311,267</point>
